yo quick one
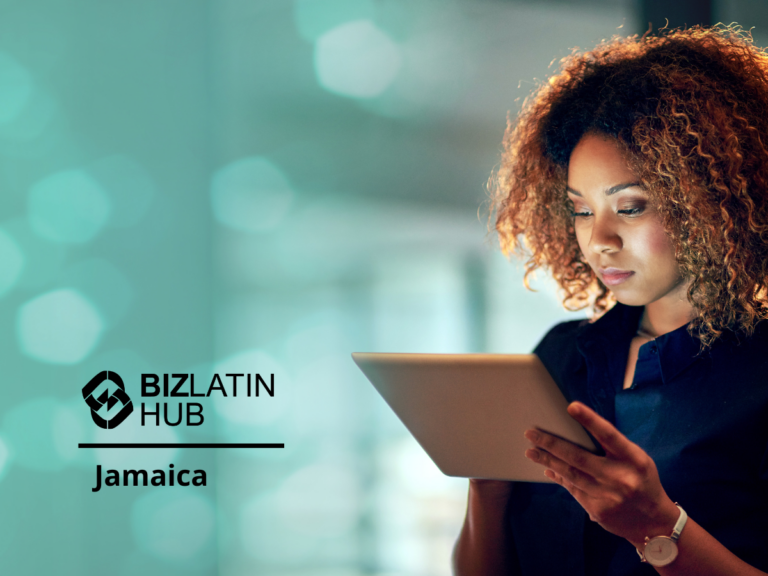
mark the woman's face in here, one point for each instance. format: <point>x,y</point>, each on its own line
<point>618,230</point>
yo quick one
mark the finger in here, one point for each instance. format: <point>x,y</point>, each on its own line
<point>568,452</point>
<point>613,442</point>
<point>552,475</point>
<point>571,474</point>
<point>555,477</point>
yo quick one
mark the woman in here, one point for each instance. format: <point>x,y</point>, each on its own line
<point>639,176</point>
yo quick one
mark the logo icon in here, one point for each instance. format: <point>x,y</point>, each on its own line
<point>117,395</point>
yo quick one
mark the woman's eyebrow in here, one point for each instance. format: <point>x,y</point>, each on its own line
<point>611,190</point>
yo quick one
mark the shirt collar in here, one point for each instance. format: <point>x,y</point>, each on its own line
<point>607,340</point>
<point>677,350</point>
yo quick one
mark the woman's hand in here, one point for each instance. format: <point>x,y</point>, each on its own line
<point>621,491</point>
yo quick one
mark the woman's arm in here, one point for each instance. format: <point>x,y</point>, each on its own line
<point>622,492</point>
<point>485,544</point>
<point>700,554</point>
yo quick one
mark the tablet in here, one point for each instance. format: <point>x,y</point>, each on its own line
<point>469,411</point>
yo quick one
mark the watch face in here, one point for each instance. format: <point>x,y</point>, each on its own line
<point>660,551</point>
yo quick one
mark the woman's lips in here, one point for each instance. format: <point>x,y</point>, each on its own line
<point>614,276</point>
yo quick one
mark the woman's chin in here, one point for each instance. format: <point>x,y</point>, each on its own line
<point>628,298</point>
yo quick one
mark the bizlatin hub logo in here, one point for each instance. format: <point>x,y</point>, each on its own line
<point>110,406</point>
<point>108,399</point>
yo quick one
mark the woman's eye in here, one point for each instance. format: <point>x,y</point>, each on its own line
<point>634,211</point>
<point>575,214</point>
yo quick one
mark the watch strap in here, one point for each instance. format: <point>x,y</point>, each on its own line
<point>680,524</point>
<point>678,528</point>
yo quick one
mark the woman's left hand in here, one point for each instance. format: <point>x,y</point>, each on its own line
<point>621,491</point>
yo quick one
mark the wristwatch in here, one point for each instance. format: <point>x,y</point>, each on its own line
<point>662,550</point>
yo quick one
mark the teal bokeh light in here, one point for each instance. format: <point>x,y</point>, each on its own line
<point>68,207</point>
<point>356,59</point>
<point>5,457</point>
<point>251,195</point>
<point>59,327</point>
<point>15,88</point>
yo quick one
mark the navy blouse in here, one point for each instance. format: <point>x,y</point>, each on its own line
<point>703,418</point>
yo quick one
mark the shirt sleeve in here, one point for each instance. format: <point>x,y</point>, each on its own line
<point>559,353</point>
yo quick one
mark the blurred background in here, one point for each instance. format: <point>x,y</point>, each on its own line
<point>259,186</point>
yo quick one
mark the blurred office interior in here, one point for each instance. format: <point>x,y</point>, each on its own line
<point>259,186</point>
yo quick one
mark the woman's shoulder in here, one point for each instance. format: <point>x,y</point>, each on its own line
<point>564,331</point>
<point>558,349</point>
<point>740,348</point>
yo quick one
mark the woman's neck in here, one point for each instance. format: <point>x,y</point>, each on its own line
<point>665,316</point>
<point>667,313</point>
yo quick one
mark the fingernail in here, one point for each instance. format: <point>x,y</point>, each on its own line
<point>532,435</point>
<point>532,454</point>
<point>574,408</point>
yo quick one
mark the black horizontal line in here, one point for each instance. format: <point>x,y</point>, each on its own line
<point>179,445</point>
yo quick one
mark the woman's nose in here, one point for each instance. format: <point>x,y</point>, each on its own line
<point>604,238</point>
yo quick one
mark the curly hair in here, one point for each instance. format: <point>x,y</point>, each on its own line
<point>689,109</point>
